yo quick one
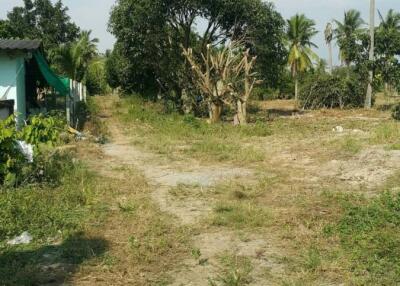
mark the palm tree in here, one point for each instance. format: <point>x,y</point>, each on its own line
<point>299,35</point>
<point>328,39</point>
<point>347,33</point>
<point>368,98</point>
<point>73,60</point>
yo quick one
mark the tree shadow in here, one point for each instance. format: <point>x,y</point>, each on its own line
<point>49,265</point>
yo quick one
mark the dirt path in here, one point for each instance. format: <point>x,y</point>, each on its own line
<point>164,175</point>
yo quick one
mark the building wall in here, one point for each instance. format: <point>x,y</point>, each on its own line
<point>12,82</point>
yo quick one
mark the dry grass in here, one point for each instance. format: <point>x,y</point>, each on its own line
<point>295,200</point>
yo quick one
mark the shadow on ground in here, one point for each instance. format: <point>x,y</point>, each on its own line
<point>49,265</point>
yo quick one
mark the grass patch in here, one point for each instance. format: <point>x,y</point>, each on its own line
<point>55,216</point>
<point>235,271</point>
<point>387,133</point>
<point>165,133</point>
<point>46,211</point>
<point>240,215</point>
<point>369,235</point>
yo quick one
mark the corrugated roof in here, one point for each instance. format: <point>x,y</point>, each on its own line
<point>24,45</point>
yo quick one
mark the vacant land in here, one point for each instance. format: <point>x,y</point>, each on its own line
<point>294,198</point>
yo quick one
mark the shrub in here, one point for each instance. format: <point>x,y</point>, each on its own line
<point>10,157</point>
<point>396,112</point>
<point>42,131</point>
<point>332,91</point>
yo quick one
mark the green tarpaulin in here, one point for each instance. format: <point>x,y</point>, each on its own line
<point>59,84</point>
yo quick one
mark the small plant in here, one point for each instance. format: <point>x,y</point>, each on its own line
<point>235,271</point>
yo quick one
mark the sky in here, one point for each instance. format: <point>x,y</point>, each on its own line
<point>93,15</point>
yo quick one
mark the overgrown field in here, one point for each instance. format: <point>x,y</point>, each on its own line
<point>331,223</point>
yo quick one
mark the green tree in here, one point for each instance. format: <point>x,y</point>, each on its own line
<point>150,34</point>
<point>43,20</point>
<point>347,35</point>
<point>299,35</point>
<point>387,48</point>
<point>73,59</point>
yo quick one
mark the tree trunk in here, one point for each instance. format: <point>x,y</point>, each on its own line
<point>241,114</point>
<point>296,90</point>
<point>330,57</point>
<point>368,98</point>
<point>215,111</point>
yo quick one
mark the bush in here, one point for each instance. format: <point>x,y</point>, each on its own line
<point>14,168</point>
<point>10,157</point>
<point>396,112</point>
<point>332,91</point>
<point>43,130</point>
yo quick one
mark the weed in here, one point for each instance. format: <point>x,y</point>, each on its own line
<point>312,259</point>
<point>240,215</point>
<point>387,133</point>
<point>196,253</point>
<point>235,271</point>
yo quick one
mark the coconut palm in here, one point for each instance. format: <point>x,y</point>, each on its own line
<point>347,34</point>
<point>299,35</point>
<point>328,40</point>
<point>368,98</point>
<point>73,60</point>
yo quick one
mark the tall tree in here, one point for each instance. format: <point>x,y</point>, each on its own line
<point>43,20</point>
<point>387,48</point>
<point>150,34</point>
<point>347,35</point>
<point>300,32</point>
<point>328,40</point>
<point>368,98</point>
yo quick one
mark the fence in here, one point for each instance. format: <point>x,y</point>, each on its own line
<point>76,97</point>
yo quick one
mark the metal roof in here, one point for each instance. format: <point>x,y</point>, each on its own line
<point>23,45</point>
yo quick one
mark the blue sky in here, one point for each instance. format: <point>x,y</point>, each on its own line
<point>94,14</point>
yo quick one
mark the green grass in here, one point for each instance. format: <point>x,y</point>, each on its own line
<point>55,216</point>
<point>166,133</point>
<point>235,271</point>
<point>240,215</point>
<point>350,145</point>
<point>46,211</point>
<point>371,231</point>
<point>387,133</point>
<point>368,233</point>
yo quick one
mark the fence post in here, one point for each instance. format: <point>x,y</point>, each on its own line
<point>85,93</point>
<point>68,104</point>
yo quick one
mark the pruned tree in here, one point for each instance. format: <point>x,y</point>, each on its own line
<point>224,77</point>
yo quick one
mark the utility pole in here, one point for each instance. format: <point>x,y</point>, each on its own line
<point>368,98</point>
